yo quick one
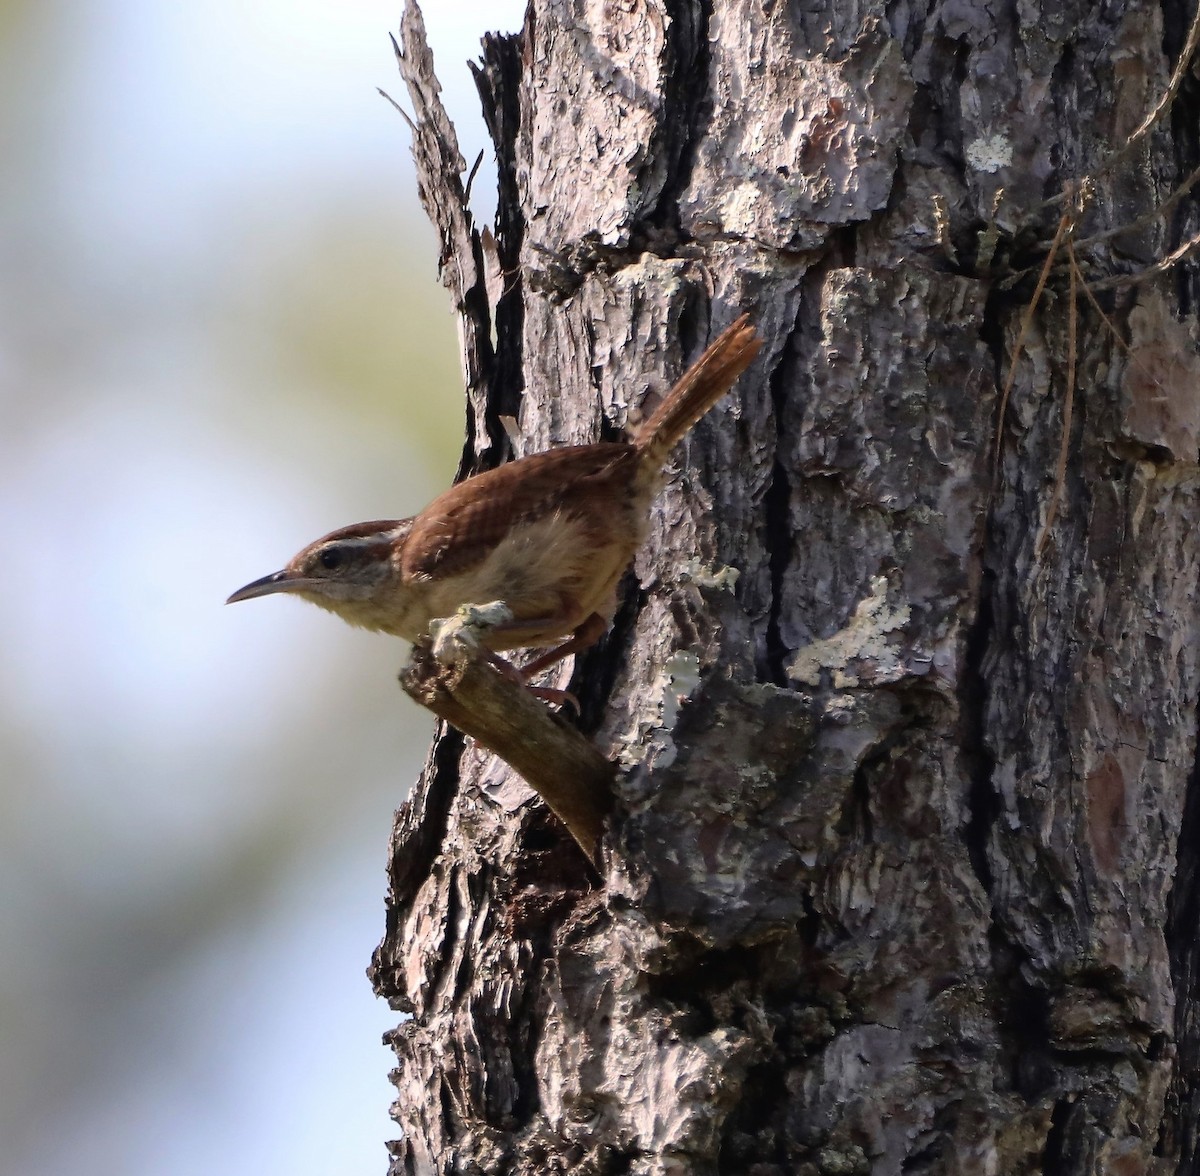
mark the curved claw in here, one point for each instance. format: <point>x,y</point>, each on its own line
<point>563,698</point>
<point>545,693</point>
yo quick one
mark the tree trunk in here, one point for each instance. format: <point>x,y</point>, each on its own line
<point>907,727</point>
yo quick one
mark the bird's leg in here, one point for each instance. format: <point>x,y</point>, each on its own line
<point>471,623</point>
<point>586,634</point>
<point>546,693</point>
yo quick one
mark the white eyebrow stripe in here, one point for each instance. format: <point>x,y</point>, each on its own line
<point>378,540</point>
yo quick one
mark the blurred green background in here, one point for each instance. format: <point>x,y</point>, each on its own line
<point>221,335</point>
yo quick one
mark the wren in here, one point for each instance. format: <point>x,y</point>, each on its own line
<point>549,535</point>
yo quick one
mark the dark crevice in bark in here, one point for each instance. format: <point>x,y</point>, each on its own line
<point>937,118</point>
<point>1157,1046</point>
<point>540,835</point>
<point>498,83</point>
<point>1183,1095</point>
<point>686,110</point>
<point>857,822</point>
<point>446,1099</point>
<point>1054,1154</point>
<point>416,842</point>
<point>793,1025</point>
<point>475,306</point>
<point>595,373</point>
<point>983,803</point>
<point>862,825</point>
<point>751,1134</point>
<point>596,671</point>
<point>997,308</point>
<point>548,883</point>
<point>1065,154</point>
<point>466,456</point>
<point>927,1158</point>
<point>843,248</point>
<point>1023,1017</point>
<point>706,976</point>
<point>777,523</point>
<point>414,854</point>
<point>1180,1131</point>
<point>809,928</point>
<point>776,504</point>
<point>1185,134</point>
<point>695,327</point>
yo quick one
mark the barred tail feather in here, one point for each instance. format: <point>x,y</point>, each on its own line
<point>699,388</point>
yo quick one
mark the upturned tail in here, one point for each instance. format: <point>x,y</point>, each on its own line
<point>698,389</point>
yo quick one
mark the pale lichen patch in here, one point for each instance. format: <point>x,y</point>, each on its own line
<point>989,153</point>
<point>653,742</point>
<point>865,639</point>
<point>720,576</point>
<point>739,208</point>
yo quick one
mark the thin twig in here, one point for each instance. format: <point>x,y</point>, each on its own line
<point>1159,267</point>
<point>1111,327</point>
<point>1064,445</point>
<point>471,177</point>
<point>412,126</point>
<point>1026,322</point>
<point>1147,218</point>
<point>1164,104</point>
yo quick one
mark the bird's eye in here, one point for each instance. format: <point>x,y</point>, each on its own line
<point>331,558</point>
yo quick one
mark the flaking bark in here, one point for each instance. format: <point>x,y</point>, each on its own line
<point>895,880</point>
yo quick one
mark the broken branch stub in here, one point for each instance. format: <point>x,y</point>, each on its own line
<point>567,771</point>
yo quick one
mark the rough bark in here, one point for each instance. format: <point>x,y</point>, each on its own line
<point>895,881</point>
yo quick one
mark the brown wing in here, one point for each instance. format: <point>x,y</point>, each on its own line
<point>460,527</point>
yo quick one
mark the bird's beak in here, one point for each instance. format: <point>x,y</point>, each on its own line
<point>283,581</point>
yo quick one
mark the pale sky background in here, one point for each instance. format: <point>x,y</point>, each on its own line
<point>220,336</point>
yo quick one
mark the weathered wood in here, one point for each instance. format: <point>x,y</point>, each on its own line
<point>895,880</point>
<point>461,262</point>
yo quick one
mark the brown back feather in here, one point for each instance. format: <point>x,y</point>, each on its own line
<point>462,526</point>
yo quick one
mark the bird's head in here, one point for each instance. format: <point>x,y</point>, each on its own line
<point>341,571</point>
